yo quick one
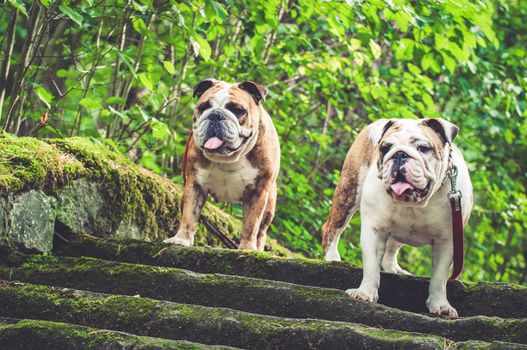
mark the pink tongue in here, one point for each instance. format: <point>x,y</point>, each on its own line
<point>213,143</point>
<point>400,187</point>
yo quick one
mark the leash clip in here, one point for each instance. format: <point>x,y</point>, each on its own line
<point>454,195</point>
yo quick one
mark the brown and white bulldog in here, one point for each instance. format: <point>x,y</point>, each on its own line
<point>396,173</point>
<point>234,155</point>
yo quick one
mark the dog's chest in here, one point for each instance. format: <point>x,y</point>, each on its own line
<point>228,181</point>
<point>417,226</point>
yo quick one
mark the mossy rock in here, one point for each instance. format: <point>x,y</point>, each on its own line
<point>82,185</point>
<point>399,291</point>
<point>258,296</point>
<point>44,335</point>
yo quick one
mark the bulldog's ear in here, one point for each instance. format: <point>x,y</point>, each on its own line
<point>203,86</point>
<point>445,129</point>
<point>256,91</point>
<point>377,129</point>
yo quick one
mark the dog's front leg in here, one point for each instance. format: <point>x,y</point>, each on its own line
<point>253,210</point>
<point>437,301</point>
<point>373,244</point>
<point>194,198</point>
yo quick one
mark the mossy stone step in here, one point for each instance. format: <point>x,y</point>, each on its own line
<point>403,292</point>
<point>252,295</point>
<point>200,324</point>
<point>46,335</point>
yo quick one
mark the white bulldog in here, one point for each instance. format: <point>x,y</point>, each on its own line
<point>396,173</point>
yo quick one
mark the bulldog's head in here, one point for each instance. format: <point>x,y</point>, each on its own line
<point>226,118</point>
<point>413,157</point>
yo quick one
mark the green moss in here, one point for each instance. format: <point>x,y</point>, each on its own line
<point>27,163</point>
<point>246,294</point>
<point>54,335</point>
<point>196,323</point>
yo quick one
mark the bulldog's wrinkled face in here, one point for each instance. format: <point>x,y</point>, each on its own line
<point>226,116</point>
<point>413,158</point>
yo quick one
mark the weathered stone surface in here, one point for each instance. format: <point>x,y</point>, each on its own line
<point>252,295</point>
<point>76,185</point>
<point>46,335</point>
<point>403,292</point>
<point>80,207</point>
<point>28,219</point>
<point>198,323</point>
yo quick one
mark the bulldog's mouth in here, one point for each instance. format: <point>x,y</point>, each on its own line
<point>213,143</point>
<point>404,191</point>
<point>217,145</point>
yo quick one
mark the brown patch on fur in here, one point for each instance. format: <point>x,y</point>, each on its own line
<point>345,201</point>
<point>436,142</point>
<point>259,200</point>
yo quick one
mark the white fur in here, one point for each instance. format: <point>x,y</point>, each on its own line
<point>227,181</point>
<point>387,223</point>
<point>221,97</point>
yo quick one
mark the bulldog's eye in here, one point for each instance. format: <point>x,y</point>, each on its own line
<point>385,149</point>
<point>203,107</point>
<point>236,110</point>
<point>424,149</point>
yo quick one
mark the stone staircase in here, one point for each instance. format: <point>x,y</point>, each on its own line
<point>105,294</point>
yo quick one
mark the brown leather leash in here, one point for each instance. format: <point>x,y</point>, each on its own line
<point>457,224</point>
<point>229,243</point>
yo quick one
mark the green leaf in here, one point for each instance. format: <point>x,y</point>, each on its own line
<point>449,62</point>
<point>89,102</point>
<point>145,81</point>
<point>200,46</point>
<point>114,100</point>
<point>375,49</point>
<point>72,14</point>
<point>429,62</point>
<point>19,5</point>
<point>215,9</point>
<point>121,115</point>
<point>46,3</point>
<point>169,67</point>
<point>44,95</point>
<point>140,26</point>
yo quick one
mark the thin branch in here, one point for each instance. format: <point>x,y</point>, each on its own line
<point>4,72</point>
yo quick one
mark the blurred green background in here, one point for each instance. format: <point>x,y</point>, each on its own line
<point>122,72</point>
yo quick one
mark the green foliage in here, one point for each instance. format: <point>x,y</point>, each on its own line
<point>125,72</point>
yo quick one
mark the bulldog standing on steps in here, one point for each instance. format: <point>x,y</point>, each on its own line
<point>234,155</point>
<point>396,173</point>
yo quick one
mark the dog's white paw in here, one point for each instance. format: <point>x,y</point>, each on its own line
<point>187,242</point>
<point>361,294</point>
<point>396,269</point>
<point>440,307</point>
<point>247,246</point>
<point>332,256</point>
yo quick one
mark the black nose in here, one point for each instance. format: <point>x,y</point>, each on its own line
<point>216,116</point>
<point>400,157</point>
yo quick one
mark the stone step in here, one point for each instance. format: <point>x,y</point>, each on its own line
<point>403,292</point>
<point>252,295</point>
<point>45,335</point>
<point>155,318</point>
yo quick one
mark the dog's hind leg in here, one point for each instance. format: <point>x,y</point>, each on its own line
<point>266,219</point>
<point>346,199</point>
